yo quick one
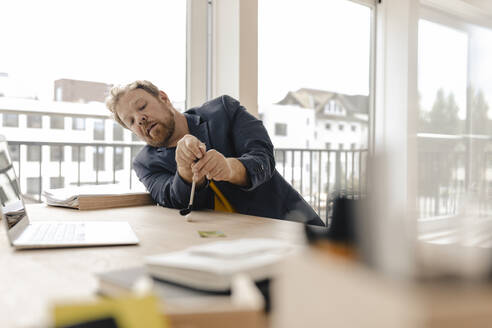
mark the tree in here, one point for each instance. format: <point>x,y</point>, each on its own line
<point>479,113</point>
<point>423,117</point>
<point>443,117</point>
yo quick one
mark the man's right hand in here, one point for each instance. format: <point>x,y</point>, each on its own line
<point>188,150</point>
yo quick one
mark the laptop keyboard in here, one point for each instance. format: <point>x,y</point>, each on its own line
<point>59,232</point>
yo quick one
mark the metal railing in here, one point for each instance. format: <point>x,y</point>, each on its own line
<point>77,176</point>
<point>317,174</point>
<point>450,181</point>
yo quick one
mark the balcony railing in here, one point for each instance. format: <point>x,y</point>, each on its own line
<point>91,163</point>
<point>317,174</point>
<point>450,182</point>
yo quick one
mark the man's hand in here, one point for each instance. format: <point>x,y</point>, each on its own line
<point>188,150</point>
<point>214,166</point>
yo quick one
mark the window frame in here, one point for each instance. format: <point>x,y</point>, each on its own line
<point>6,114</point>
<point>53,119</point>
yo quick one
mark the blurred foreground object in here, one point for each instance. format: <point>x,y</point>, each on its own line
<point>344,293</point>
<point>125,312</point>
<point>339,237</point>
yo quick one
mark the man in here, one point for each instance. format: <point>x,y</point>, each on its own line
<point>220,145</point>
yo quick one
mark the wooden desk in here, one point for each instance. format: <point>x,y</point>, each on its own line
<point>32,280</point>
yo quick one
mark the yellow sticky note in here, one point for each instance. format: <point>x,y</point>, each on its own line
<point>128,312</point>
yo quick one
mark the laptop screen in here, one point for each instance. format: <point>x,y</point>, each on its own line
<point>12,206</point>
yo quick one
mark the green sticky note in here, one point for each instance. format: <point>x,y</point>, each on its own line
<point>211,234</point>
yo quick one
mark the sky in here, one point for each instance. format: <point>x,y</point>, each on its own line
<point>301,44</point>
<point>319,44</point>
<point>111,41</point>
<point>443,58</point>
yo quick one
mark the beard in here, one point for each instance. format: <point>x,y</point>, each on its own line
<point>164,132</point>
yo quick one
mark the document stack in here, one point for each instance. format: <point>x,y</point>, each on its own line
<point>96,197</point>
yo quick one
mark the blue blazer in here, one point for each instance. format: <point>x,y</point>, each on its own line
<point>224,125</point>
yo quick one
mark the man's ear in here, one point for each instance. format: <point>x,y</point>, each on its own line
<point>163,96</point>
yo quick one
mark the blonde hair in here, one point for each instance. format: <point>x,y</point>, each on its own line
<point>118,91</point>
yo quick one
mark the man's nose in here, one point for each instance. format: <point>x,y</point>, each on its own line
<point>142,120</point>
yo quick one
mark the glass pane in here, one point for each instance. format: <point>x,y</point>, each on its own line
<point>454,140</point>
<point>11,120</point>
<point>57,122</point>
<point>443,58</point>
<point>61,58</point>
<point>33,153</point>
<point>57,182</point>
<point>118,158</point>
<point>78,123</point>
<point>33,185</point>
<point>98,129</point>
<point>78,153</point>
<point>313,93</point>
<point>57,153</point>
<point>34,121</point>
<point>479,133</point>
<point>117,132</point>
<point>99,159</point>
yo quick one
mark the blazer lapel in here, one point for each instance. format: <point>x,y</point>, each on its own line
<point>199,129</point>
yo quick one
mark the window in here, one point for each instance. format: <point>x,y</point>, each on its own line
<point>279,156</point>
<point>33,153</point>
<point>340,127</point>
<point>443,60</point>
<point>34,121</point>
<point>78,123</point>
<point>118,158</point>
<point>328,145</point>
<point>454,122</point>
<point>318,79</point>
<point>11,120</point>
<point>280,129</point>
<point>57,153</point>
<point>78,153</point>
<point>43,63</point>
<point>57,182</point>
<point>117,132</point>
<point>99,129</point>
<point>340,146</point>
<point>57,122</point>
<point>135,138</point>
<point>353,128</point>
<point>59,62</point>
<point>352,146</point>
<point>14,153</point>
<point>99,159</point>
<point>59,94</point>
<point>33,185</point>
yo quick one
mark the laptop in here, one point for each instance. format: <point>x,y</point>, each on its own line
<point>24,234</point>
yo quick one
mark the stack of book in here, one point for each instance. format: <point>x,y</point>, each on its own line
<point>96,197</point>
<point>211,267</point>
